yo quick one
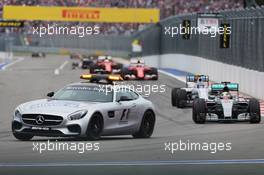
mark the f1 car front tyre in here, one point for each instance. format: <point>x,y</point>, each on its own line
<point>95,127</point>
<point>93,67</point>
<point>174,98</point>
<point>182,98</point>
<point>254,111</point>
<point>199,111</point>
<point>118,67</point>
<point>154,71</point>
<point>22,136</point>
<point>147,125</point>
<point>125,73</point>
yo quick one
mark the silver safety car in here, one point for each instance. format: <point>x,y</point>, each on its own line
<point>89,109</point>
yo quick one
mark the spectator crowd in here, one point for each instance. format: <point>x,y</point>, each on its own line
<point>167,8</point>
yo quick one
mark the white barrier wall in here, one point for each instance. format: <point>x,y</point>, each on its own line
<point>251,82</point>
<point>6,55</point>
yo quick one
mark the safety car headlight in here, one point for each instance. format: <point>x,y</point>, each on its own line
<point>77,115</point>
<point>17,113</point>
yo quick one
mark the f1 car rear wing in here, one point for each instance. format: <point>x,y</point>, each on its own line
<point>219,87</point>
<point>137,61</point>
<point>101,78</point>
<point>196,78</point>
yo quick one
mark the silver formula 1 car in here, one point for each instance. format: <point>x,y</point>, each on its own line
<point>225,104</point>
<point>86,109</point>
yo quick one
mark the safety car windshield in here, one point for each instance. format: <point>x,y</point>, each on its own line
<point>85,93</point>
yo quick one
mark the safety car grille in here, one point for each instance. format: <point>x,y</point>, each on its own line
<point>42,120</point>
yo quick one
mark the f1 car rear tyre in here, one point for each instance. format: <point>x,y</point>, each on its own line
<point>174,97</point>
<point>254,111</point>
<point>147,125</point>
<point>126,72</point>
<point>118,66</point>
<point>95,127</point>
<point>75,65</point>
<point>199,111</point>
<point>93,67</point>
<point>154,71</point>
<point>182,98</point>
<point>22,136</point>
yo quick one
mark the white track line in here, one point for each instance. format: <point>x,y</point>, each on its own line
<point>138,163</point>
<point>57,70</point>
<point>12,63</point>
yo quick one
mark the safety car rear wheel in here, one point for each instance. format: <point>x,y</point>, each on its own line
<point>147,125</point>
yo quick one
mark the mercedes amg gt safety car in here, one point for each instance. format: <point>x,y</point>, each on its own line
<point>86,109</point>
<point>138,70</point>
<point>225,104</point>
<point>196,87</point>
<point>105,65</point>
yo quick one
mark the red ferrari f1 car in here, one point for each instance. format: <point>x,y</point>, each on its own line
<point>137,70</point>
<point>105,65</point>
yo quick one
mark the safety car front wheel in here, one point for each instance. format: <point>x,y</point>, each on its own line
<point>95,127</point>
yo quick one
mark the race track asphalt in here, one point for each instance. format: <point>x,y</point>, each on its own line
<point>33,78</point>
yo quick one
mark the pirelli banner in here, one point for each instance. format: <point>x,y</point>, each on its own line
<point>109,15</point>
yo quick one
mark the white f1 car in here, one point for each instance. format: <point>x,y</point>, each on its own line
<point>86,109</point>
<point>38,55</point>
<point>196,87</point>
<point>225,104</point>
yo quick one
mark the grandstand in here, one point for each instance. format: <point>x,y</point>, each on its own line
<point>167,8</point>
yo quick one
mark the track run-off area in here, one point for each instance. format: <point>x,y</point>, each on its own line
<point>32,78</point>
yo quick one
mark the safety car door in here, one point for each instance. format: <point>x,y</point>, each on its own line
<point>125,112</point>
